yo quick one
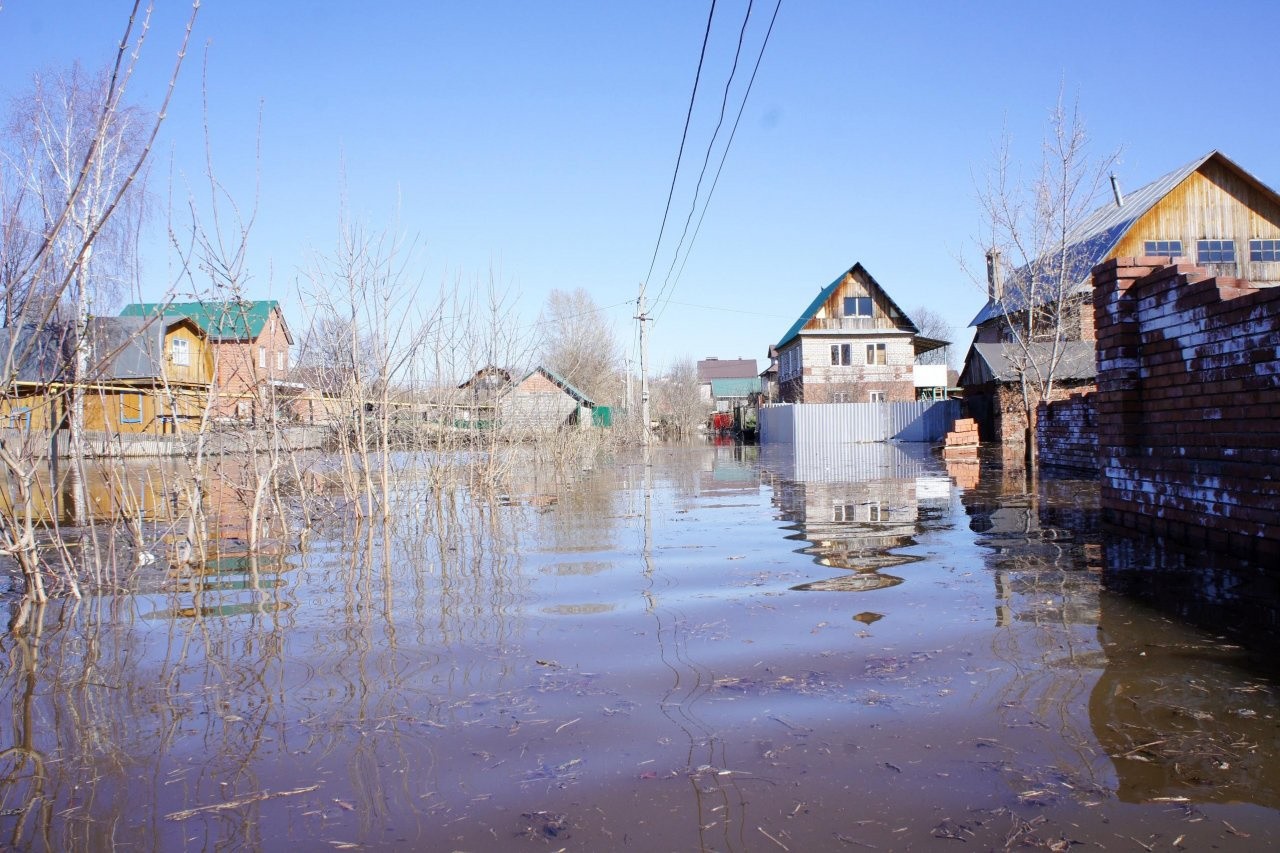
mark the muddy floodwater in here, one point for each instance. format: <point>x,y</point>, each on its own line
<point>726,649</point>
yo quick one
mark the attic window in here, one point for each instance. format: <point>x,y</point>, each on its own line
<point>1216,251</point>
<point>857,306</point>
<point>1162,248</point>
<point>1264,250</point>
<point>180,352</point>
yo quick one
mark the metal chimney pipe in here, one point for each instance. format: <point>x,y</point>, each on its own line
<point>1115,190</point>
<point>995,276</point>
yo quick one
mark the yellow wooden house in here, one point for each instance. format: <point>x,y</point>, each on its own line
<point>146,376</point>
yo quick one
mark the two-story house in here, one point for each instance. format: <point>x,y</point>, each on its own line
<point>853,344</point>
<point>1210,212</point>
<point>250,341</point>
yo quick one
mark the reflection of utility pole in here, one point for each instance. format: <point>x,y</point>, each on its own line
<point>643,317</point>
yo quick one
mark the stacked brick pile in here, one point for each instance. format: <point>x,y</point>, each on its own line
<point>1067,433</point>
<point>1188,404</point>
<point>962,441</point>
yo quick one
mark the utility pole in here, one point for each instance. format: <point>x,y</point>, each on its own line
<point>643,317</point>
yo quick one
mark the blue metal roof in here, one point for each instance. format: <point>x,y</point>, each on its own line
<point>1100,232</point>
<point>722,388</point>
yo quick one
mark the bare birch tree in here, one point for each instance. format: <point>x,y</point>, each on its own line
<point>1036,257</point>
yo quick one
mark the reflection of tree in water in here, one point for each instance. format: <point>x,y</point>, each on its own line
<point>1043,543</point>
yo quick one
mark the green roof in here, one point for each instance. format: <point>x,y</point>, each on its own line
<point>231,320</point>
<point>721,388</point>
<point>825,294</point>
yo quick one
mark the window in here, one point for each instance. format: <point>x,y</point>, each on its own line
<point>846,354</point>
<point>20,419</point>
<point>1216,251</point>
<point>1264,250</point>
<point>180,351</point>
<point>875,354</point>
<point>875,397</point>
<point>844,512</point>
<point>875,512</point>
<point>130,408</point>
<point>857,306</point>
<point>262,356</point>
<point>280,360</point>
<point>1173,248</point>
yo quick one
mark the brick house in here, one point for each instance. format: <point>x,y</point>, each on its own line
<point>250,341</point>
<point>852,344</point>
<point>1209,211</point>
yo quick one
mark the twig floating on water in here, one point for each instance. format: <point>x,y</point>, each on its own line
<point>235,804</point>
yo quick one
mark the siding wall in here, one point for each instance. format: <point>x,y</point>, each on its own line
<point>804,423</point>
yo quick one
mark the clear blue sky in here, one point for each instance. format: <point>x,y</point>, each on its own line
<point>537,140</point>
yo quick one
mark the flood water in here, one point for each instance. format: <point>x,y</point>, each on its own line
<point>725,649</point>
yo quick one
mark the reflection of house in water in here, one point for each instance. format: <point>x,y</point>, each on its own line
<point>856,504</point>
<point>730,468</point>
<point>1045,545</point>
<point>1188,715</point>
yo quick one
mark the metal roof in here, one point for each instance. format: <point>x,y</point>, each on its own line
<point>40,354</point>
<point>998,362</point>
<point>722,388</point>
<point>710,369</point>
<point>825,294</point>
<point>1097,235</point>
<point>221,320</point>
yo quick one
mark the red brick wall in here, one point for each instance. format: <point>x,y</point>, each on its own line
<point>1189,404</point>
<point>1067,433</point>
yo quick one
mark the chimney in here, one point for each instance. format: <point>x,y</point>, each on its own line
<point>995,276</point>
<point>1115,190</point>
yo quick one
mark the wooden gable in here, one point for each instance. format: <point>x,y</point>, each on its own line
<point>856,303</point>
<point>199,353</point>
<point>1217,202</point>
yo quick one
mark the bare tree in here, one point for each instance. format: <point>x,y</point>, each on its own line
<point>933,325</point>
<point>580,344</point>
<point>677,398</point>
<point>1036,260</point>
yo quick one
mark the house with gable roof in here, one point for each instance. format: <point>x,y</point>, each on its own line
<point>250,342</point>
<point>852,344</point>
<point>1210,212</point>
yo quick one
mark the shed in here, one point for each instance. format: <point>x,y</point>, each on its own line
<point>543,401</point>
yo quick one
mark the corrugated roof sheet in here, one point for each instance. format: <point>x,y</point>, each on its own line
<point>1099,233</point>
<point>825,294</point>
<point>999,361</point>
<point>726,368</point>
<point>228,320</point>
<point>723,388</point>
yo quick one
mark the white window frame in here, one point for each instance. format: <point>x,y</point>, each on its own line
<point>877,354</point>
<point>180,352</point>
<point>262,357</point>
<point>280,360</point>
<point>876,397</point>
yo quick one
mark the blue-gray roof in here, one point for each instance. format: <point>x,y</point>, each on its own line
<point>1100,232</point>
<point>825,294</point>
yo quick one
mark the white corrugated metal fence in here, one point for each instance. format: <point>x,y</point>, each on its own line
<point>857,422</point>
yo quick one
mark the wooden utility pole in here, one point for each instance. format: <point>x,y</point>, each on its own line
<point>643,317</point>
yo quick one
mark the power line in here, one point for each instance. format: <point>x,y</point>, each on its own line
<point>724,156</point>
<point>706,37</point>
<point>715,134</point>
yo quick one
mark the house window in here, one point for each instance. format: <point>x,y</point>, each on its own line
<point>1172,248</point>
<point>846,354</point>
<point>875,354</point>
<point>20,419</point>
<point>857,306</point>
<point>1264,250</point>
<point>875,512</point>
<point>844,512</point>
<point>280,360</point>
<point>876,396</point>
<point>262,357</point>
<point>130,408</point>
<point>180,352</point>
<point>835,353</point>
<point>1216,251</point>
